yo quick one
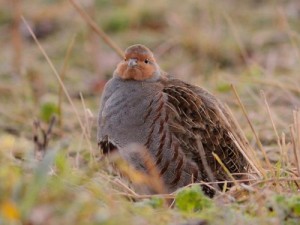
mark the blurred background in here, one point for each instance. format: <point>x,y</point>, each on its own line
<point>252,44</point>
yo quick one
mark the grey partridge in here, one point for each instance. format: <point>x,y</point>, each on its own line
<point>181,125</point>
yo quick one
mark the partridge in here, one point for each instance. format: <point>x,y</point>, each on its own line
<point>181,125</point>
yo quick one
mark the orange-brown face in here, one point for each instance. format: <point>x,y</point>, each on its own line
<point>139,64</point>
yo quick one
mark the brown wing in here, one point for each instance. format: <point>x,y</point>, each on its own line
<point>198,122</point>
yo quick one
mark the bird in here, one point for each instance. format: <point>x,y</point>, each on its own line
<point>183,127</point>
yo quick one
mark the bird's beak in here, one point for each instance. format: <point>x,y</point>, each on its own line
<point>132,62</point>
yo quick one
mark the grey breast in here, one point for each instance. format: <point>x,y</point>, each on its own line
<point>123,106</point>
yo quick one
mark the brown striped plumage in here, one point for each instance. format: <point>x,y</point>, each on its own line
<point>180,124</point>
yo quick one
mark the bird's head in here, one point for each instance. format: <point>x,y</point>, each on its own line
<point>138,64</point>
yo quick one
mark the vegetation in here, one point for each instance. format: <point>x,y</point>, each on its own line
<point>51,170</point>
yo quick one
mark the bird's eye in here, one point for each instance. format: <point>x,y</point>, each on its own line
<point>146,61</point>
<point>125,59</point>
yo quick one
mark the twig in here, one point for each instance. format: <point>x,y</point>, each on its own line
<point>95,27</point>
<point>41,145</point>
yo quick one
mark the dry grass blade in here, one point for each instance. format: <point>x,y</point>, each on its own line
<point>137,196</point>
<point>272,180</point>
<point>282,179</point>
<point>88,116</point>
<point>147,178</point>
<point>152,177</point>
<point>119,183</point>
<point>273,124</point>
<point>246,150</point>
<point>100,32</point>
<point>224,168</point>
<point>205,164</point>
<point>237,38</point>
<point>16,36</point>
<point>295,133</point>
<point>284,149</point>
<point>289,32</point>
<point>61,84</point>
<point>277,84</point>
<point>252,128</point>
<point>62,75</point>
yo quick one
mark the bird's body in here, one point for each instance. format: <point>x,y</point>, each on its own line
<point>180,125</point>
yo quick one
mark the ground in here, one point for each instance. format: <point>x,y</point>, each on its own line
<point>59,178</point>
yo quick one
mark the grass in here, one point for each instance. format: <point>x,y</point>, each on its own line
<point>50,172</point>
